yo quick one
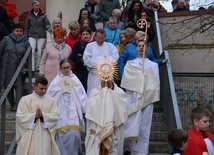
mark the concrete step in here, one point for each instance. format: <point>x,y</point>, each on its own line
<point>7,146</point>
<point>10,125</point>
<point>158,147</point>
<point>158,127</point>
<point>9,135</point>
<point>10,115</point>
<point>158,108</point>
<point>158,137</point>
<point>158,134</point>
<point>158,117</point>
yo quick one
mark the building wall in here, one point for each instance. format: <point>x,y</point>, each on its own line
<point>191,48</point>
<point>70,10</point>
<point>192,60</point>
<point>26,5</point>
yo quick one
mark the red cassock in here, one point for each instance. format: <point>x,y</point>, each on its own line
<point>196,144</point>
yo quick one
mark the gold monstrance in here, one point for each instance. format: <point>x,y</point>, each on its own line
<point>105,69</point>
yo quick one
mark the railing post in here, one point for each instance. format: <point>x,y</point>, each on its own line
<point>30,72</point>
<point>173,94</point>
<point>158,33</point>
<point>19,89</point>
<point>3,120</point>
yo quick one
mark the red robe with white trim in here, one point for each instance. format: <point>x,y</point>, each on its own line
<point>196,144</point>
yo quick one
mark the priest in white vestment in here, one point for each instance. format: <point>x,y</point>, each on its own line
<point>141,81</point>
<point>70,97</point>
<point>36,119</point>
<point>106,112</point>
<point>95,51</point>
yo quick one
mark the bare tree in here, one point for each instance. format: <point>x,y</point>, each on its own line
<point>193,25</point>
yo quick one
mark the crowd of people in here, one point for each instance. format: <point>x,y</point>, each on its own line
<point>118,116</point>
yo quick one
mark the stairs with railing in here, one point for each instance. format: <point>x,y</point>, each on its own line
<point>165,115</point>
<point>10,126</point>
<point>158,134</point>
<point>158,143</point>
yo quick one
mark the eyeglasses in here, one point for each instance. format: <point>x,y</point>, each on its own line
<point>65,68</point>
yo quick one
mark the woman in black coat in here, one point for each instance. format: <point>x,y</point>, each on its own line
<point>134,13</point>
<point>12,50</point>
<point>84,13</point>
<point>77,56</point>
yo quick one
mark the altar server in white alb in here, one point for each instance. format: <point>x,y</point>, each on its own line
<point>70,97</point>
<point>95,51</point>
<point>36,119</point>
<point>141,81</point>
<point>106,113</point>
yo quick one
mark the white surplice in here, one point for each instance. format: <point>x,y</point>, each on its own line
<point>36,137</point>
<point>141,81</point>
<point>210,146</point>
<point>70,97</point>
<point>106,113</point>
<point>93,52</point>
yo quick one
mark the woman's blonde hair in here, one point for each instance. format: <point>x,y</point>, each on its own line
<point>73,24</point>
<point>129,34</point>
<point>140,34</point>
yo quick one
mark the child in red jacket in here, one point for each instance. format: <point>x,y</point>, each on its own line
<point>200,139</point>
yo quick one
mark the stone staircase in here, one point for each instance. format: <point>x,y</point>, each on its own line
<point>10,126</point>
<point>158,136</point>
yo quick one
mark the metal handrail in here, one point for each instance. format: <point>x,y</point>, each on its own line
<point>16,76</point>
<point>160,47</point>
<point>173,95</point>
<point>168,100</point>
